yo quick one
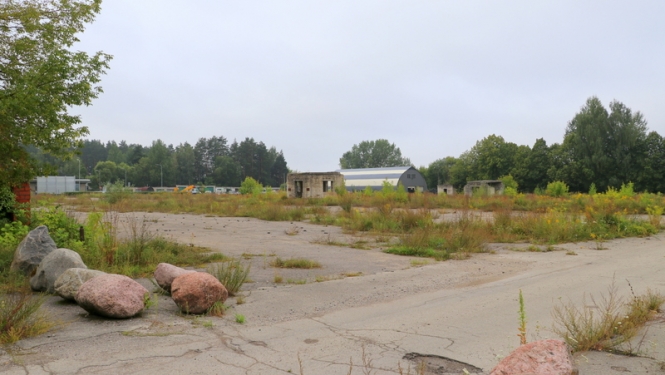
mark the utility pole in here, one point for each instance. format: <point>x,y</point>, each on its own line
<point>161,176</point>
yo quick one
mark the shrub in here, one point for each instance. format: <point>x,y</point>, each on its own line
<point>556,189</point>
<point>250,186</point>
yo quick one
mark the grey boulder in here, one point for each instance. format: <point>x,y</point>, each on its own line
<point>68,284</point>
<point>113,296</point>
<point>30,252</point>
<point>52,266</point>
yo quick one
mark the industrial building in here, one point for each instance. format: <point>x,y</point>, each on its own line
<point>409,177</point>
<point>312,185</point>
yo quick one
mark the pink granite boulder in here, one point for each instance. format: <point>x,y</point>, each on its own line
<point>113,296</point>
<point>165,274</point>
<point>195,293</point>
<point>546,357</point>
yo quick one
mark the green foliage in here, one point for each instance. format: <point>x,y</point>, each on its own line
<point>510,185</point>
<point>116,192</point>
<point>232,274</point>
<point>387,188</point>
<point>556,189</point>
<point>250,186</point>
<point>601,146</point>
<point>592,189</point>
<point>373,154</point>
<point>240,319</point>
<point>41,78</point>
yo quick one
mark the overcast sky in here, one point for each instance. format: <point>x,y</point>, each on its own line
<point>313,78</point>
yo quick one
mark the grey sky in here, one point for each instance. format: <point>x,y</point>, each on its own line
<point>313,78</point>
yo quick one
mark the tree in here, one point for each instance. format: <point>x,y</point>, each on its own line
<point>279,170</point>
<point>227,171</point>
<point>532,165</point>
<point>604,147</point>
<point>491,158</point>
<point>41,79</point>
<point>185,159</point>
<point>373,154</point>
<point>438,172</point>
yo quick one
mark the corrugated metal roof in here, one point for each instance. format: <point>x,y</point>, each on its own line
<point>390,172</point>
<point>373,176</point>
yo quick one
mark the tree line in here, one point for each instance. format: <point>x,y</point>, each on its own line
<point>602,148</point>
<point>211,161</point>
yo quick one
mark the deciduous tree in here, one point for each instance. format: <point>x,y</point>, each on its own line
<point>373,154</point>
<point>42,78</point>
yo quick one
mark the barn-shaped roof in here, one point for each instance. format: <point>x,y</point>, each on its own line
<point>373,177</point>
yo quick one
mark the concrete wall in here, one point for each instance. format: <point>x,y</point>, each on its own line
<point>445,189</point>
<point>312,185</point>
<point>486,187</point>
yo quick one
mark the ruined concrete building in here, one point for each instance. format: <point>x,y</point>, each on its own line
<point>312,185</point>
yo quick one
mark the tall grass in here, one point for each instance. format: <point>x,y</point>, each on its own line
<point>232,274</point>
<point>607,322</point>
<point>20,316</point>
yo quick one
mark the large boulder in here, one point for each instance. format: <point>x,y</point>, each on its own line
<point>30,252</point>
<point>52,266</point>
<point>195,293</point>
<point>68,284</point>
<point>113,296</point>
<point>546,357</point>
<point>165,274</point>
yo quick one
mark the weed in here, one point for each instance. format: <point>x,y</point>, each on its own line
<point>232,274</point>
<point>240,319</point>
<point>20,316</point>
<point>296,281</point>
<point>614,325</point>
<point>295,263</point>
<point>352,274</point>
<point>278,279</point>
<point>217,309</point>
<point>522,320</point>
<point>240,299</point>
<point>419,262</point>
<point>571,252</point>
<point>150,301</point>
<point>292,231</point>
<point>533,249</point>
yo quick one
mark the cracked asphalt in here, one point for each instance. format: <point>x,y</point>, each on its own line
<point>320,321</point>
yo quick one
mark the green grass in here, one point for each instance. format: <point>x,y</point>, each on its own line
<point>295,263</point>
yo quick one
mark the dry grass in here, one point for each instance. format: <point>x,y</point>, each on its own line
<point>605,323</point>
<point>301,263</point>
<point>21,317</point>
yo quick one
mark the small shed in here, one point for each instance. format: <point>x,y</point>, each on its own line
<point>445,189</point>
<point>312,185</point>
<point>485,187</point>
<point>359,179</point>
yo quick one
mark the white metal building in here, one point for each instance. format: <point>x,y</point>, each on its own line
<point>359,179</point>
